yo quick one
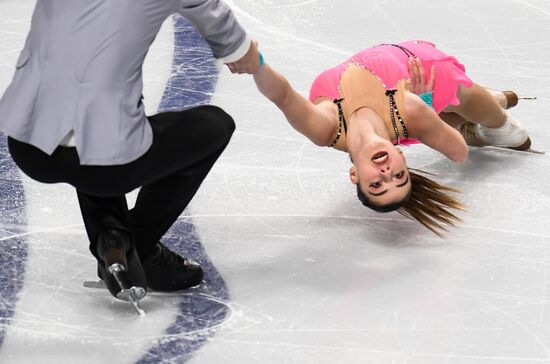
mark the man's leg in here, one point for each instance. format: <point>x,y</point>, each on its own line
<point>192,141</point>
<point>111,242</point>
<point>105,218</point>
<point>100,213</point>
<point>185,146</point>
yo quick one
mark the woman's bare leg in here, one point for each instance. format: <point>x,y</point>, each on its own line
<point>487,121</point>
<point>499,96</point>
<point>479,106</point>
<point>452,119</point>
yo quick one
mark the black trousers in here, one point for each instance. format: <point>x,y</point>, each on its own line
<point>186,144</point>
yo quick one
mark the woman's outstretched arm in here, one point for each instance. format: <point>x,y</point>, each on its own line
<point>318,122</point>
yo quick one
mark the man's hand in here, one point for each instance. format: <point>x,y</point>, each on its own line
<point>249,63</point>
<point>419,83</point>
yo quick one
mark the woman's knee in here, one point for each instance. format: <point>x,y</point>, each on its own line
<point>477,104</point>
<point>464,96</point>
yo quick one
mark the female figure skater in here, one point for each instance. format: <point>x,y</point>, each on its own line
<point>366,107</point>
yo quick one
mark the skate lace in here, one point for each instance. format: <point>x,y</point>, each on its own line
<point>168,257</point>
<point>468,131</point>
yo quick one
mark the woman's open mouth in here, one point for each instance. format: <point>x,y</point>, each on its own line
<point>379,157</point>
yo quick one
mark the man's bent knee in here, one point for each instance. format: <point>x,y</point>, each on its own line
<point>220,124</point>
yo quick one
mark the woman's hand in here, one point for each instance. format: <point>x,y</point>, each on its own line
<point>419,83</point>
<point>249,63</point>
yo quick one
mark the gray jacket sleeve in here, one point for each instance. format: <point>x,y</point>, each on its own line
<point>217,24</point>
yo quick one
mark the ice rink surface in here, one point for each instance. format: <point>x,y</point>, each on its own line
<point>297,271</point>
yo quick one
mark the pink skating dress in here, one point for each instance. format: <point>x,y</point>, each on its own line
<point>390,64</point>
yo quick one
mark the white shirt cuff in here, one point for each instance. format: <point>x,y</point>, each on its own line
<point>239,53</point>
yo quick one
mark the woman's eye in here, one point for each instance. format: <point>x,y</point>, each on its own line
<point>400,175</point>
<point>375,184</point>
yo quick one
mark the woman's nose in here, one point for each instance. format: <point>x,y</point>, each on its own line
<point>385,173</point>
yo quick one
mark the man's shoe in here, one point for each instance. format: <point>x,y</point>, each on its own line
<point>120,268</point>
<point>168,271</point>
<point>511,134</point>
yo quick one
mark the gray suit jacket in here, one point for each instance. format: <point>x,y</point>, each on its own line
<point>81,71</point>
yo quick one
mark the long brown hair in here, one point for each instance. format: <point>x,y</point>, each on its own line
<point>428,202</point>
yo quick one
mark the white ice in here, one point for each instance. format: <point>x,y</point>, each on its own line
<point>313,276</point>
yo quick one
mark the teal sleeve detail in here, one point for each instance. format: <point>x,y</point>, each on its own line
<point>261,57</point>
<point>427,97</point>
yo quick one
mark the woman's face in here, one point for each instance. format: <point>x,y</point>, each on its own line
<point>382,172</point>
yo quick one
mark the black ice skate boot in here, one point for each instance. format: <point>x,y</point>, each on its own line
<point>120,268</point>
<point>168,271</point>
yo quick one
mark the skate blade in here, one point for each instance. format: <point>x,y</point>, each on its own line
<point>534,151</point>
<point>131,295</point>
<point>139,292</point>
<point>528,150</point>
<point>95,284</point>
<point>526,147</point>
<point>134,293</point>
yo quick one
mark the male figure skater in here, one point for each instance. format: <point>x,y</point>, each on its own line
<point>73,113</point>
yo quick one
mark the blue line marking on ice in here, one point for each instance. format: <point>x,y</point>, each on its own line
<point>194,76</point>
<point>14,250</point>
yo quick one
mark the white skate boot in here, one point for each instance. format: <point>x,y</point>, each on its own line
<point>511,134</point>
